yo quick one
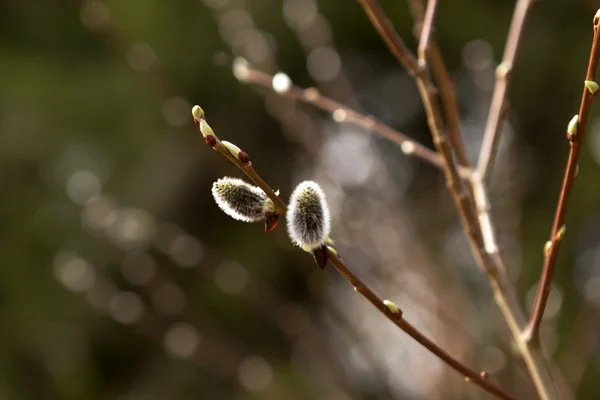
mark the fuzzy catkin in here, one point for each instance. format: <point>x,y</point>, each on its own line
<point>308,219</point>
<point>239,199</point>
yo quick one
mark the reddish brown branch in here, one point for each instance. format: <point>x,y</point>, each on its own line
<point>345,114</point>
<point>491,137</point>
<point>575,144</point>
<point>491,264</point>
<point>444,83</point>
<point>413,332</point>
<point>362,288</point>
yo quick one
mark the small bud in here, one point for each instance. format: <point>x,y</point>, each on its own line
<point>393,308</point>
<point>271,221</point>
<point>483,374</point>
<point>281,82</point>
<point>241,69</point>
<point>197,113</point>
<point>236,151</point>
<point>308,219</point>
<point>407,147</point>
<point>591,86</point>
<point>207,132</point>
<point>576,170</point>
<point>547,247</point>
<point>572,128</point>
<point>271,217</point>
<point>503,69</point>
<point>561,232</point>
<point>320,256</point>
<point>239,199</point>
<point>311,94</point>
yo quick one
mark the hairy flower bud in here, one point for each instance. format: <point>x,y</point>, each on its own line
<point>308,219</point>
<point>240,200</point>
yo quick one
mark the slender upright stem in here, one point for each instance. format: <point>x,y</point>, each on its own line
<point>575,142</point>
<point>361,287</point>
<point>490,263</point>
<point>491,137</point>
<point>444,83</point>
<point>387,32</point>
<point>345,114</point>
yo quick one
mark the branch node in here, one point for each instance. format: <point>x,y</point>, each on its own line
<point>503,69</point>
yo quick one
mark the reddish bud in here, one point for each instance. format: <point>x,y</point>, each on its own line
<point>320,256</point>
<point>243,157</point>
<point>210,140</point>
<point>271,221</point>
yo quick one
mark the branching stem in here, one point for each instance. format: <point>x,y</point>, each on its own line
<point>361,287</point>
<point>347,115</point>
<point>480,234</point>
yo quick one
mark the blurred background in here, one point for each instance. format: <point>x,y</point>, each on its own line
<point>121,279</point>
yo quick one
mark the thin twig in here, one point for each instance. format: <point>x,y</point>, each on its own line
<point>575,137</point>
<point>345,114</point>
<point>491,137</point>
<point>361,287</point>
<point>444,83</point>
<point>429,95</point>
<point>490,264</point>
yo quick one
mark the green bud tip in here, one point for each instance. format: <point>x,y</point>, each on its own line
<point>572,128</point>
<point>392,307</point>
<point>591,86</point>
<point>197,113</point>
<point>576,170</point>
<point>561,232</point>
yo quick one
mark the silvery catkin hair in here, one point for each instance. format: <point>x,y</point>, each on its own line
<point>239,199</point>
<point>308,219</point>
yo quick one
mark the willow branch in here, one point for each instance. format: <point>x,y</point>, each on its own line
<point>575,135</point>
<point>491,137</point>
<point>429,95</point>
<point>343,113</point>
<point>490,264</point>
<point>444,83</point>
<point>387,308</point>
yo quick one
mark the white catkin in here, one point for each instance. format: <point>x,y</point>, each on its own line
<point>239,199</point>
<point>308,219</point>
